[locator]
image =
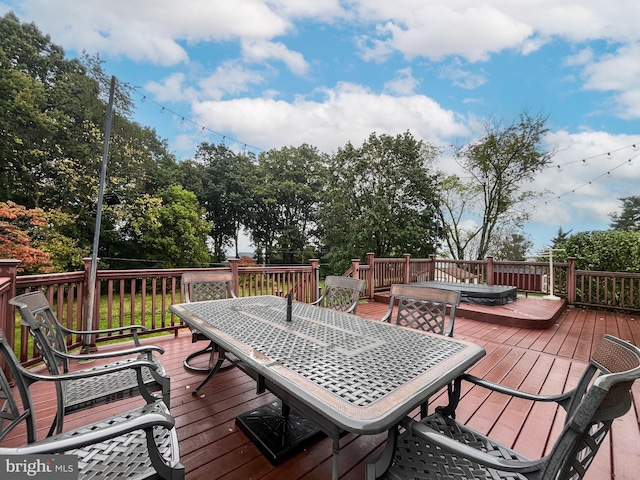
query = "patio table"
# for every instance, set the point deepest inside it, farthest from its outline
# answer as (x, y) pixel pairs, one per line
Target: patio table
(344, 372)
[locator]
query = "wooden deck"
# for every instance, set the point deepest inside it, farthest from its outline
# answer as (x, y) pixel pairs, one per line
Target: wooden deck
(540, 360)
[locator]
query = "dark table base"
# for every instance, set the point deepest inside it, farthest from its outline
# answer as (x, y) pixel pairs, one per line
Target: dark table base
(276, 437)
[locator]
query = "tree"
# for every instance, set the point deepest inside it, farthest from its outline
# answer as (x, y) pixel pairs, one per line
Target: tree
(513, 247)
(561, 238)
(456, 199)
(17, 224)
(225, 194)
(286, 193)
(57, 238)
(52, 123)
(499, 164)
(380, 198)
(169, 229)
(629, 218)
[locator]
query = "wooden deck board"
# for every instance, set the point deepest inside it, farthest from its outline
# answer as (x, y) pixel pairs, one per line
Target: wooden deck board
(540, 360)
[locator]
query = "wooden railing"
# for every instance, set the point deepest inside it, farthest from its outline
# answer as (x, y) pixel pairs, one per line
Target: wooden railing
(581, 288)
(620, 291)
(129, 297)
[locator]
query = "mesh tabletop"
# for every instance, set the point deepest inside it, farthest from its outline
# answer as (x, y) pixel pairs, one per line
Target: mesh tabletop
(352, 362)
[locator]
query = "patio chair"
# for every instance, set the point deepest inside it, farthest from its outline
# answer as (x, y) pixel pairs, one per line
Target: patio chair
(438, 445)
(87, 391)
(424, 308)
(137, 444)
(199, 287)
(341, 293)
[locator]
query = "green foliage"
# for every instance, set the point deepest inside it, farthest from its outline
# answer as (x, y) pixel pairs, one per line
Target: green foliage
(58, 239)
(380, 198)
(169, 229)
(608, 251)
(629, 218)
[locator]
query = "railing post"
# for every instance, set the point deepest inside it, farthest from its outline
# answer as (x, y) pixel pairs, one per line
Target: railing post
(355, 267)
(315, 279)
(489, 270)
(234, 264)
(407, 267)
(571, 281)
(371, 280)
(9, 269)
(431, 268)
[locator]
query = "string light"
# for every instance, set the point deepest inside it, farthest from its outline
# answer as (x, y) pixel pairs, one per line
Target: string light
(609, 155)
(202, 128)
(607, 174)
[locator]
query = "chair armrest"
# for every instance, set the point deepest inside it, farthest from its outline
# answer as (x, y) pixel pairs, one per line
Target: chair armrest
(496, 387)
(115, 353)
(352, 308)
(55, 444)
(465, 451)
(318, 301)
(387, 316)
(68, 331)
(134, 330)
(135, 364)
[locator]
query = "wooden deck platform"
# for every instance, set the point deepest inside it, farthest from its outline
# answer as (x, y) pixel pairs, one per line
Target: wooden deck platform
(541, 360)
(525, 312)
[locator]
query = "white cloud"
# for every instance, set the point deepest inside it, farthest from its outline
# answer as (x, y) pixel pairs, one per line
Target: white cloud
(620, 73)
(347, 112)
(404, 83)
(435, 29)
(230, 78)
(151, 30)
(263, 50)
(583, 57)
(438, 30)
(461, 77)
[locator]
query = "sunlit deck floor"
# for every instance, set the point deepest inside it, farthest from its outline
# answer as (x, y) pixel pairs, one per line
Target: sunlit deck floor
(540, 360)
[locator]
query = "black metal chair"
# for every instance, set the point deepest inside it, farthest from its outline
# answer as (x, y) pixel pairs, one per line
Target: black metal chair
(137, 444)
(86, 391)
(424, 308)
(341, 293)
(439, 447)
(199, 287)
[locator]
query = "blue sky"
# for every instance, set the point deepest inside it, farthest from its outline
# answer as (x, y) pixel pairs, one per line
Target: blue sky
(325, 72)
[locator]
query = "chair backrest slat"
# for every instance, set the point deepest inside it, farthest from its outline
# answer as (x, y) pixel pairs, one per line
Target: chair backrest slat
(203, 286)
(342, 293)
(424, 308)
(37, 315)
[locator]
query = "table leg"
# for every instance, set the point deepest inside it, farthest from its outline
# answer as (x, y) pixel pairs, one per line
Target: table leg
(336, 451)
(212, 372)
